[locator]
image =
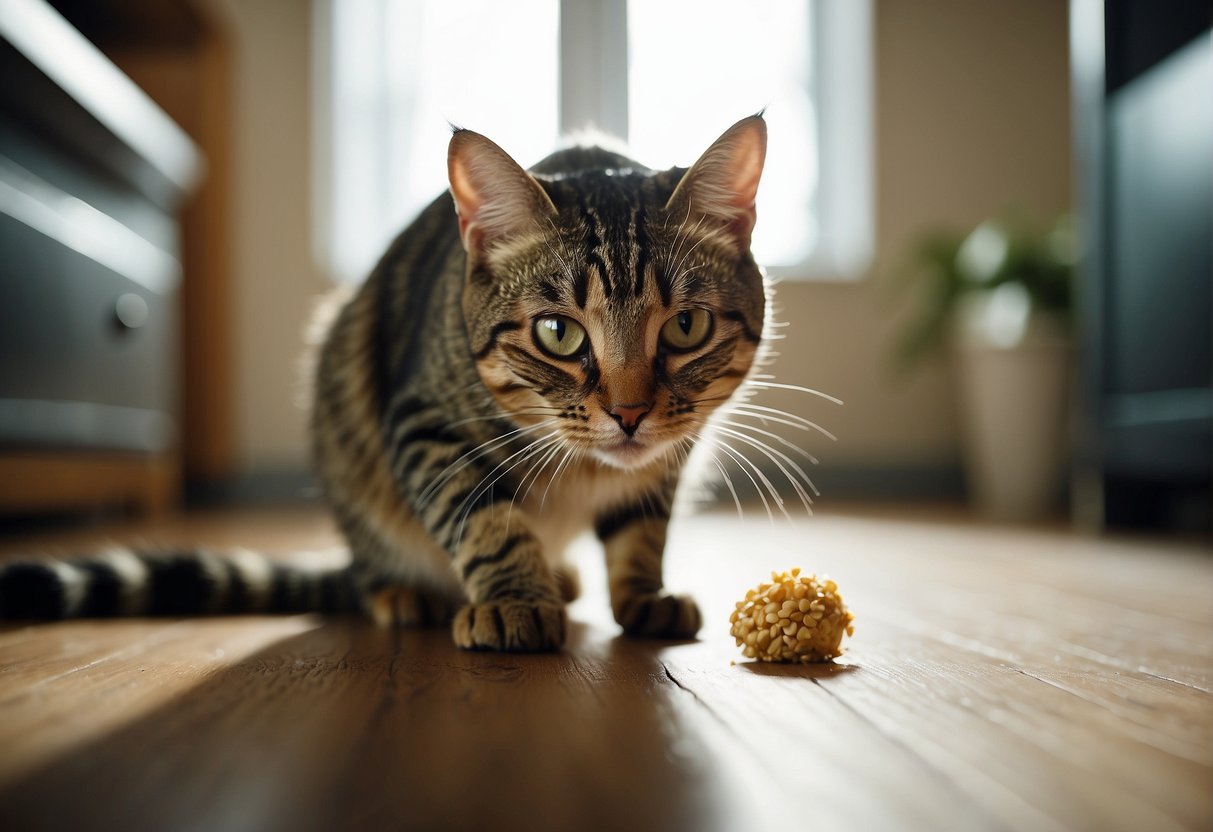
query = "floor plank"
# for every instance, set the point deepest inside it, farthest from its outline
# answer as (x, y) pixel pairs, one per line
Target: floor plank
(998, 679)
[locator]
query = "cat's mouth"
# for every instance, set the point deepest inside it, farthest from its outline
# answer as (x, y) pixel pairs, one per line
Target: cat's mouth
(628, 453)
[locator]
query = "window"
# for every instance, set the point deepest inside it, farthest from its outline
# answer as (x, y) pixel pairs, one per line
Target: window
(666, 75)
(397, 74)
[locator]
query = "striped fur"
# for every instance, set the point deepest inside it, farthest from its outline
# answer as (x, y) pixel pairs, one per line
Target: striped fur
(123, 582)
(461, 456)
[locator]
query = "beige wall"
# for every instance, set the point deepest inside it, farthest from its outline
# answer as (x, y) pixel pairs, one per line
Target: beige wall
(275, 278)
(971, 113)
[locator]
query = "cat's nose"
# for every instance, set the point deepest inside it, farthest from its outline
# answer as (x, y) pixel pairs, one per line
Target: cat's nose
(629, 415)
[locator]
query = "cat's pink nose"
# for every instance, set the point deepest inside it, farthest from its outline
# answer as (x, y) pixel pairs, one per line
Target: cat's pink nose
(629, 415)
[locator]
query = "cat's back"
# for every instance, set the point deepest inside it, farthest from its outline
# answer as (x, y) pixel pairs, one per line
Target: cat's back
(585, 158)
(605, 177)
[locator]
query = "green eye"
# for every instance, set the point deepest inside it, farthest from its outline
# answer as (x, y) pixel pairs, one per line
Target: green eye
(560, 337)
(687, 330)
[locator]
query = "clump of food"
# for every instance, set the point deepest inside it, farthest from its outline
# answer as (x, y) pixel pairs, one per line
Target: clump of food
(794, 618)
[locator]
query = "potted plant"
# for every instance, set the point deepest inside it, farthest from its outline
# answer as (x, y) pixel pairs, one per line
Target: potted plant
(1001, 297)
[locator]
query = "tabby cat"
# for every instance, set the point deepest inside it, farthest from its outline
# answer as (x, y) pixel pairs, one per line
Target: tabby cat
(534, 356)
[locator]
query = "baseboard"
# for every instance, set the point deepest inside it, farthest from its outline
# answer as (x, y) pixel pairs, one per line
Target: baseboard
(257, 488)
(869, 482)
(872, 482)
(939, 481)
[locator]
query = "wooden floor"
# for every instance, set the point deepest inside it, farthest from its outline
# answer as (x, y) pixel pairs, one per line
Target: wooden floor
(997, 679)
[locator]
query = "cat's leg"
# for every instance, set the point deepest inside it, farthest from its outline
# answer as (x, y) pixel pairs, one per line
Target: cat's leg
(404, 605)
(633, 539)
(384, 593)
(568, 581)
(514, 602)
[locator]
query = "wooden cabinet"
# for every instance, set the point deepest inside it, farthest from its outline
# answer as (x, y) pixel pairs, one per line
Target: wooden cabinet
(92, 176)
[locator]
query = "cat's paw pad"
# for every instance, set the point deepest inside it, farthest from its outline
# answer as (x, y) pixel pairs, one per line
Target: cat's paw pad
(510, 626)
(659, 615)
(407, 606)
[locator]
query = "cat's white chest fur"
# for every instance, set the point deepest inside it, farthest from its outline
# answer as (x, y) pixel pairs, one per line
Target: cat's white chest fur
(562, 509)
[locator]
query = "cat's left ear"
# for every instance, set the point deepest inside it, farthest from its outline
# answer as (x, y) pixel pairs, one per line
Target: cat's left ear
(494, 196)
(723, 184)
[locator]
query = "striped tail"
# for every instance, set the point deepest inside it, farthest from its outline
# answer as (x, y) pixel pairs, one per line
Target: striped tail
(123, 582)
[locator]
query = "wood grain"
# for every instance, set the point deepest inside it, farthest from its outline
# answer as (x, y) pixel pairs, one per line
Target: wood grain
(998, 679)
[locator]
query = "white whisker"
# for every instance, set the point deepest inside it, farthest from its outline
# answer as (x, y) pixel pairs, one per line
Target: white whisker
(728, 481)
(781, 417)
(549, 412)
(772, 454)
(537, 446)
(568, 271)
(471, 456)
(537, 469)
(792, 445)
(678, 273)
(678, 234)
(533, 474)
(568, 454)
(774, 385)
(742, 460)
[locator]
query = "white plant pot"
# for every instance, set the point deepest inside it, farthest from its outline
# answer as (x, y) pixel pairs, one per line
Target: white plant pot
(1015, 402)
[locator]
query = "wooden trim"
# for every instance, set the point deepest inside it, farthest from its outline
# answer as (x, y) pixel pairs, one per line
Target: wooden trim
(192, 83)
(46, 481)
(209, 439)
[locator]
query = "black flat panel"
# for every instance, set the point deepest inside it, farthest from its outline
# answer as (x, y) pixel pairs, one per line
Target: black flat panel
(1141, 33)
(1160, 156)
(61, 338)
(1142, 76)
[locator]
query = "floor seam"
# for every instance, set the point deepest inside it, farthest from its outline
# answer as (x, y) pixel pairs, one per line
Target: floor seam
(936, 772)
(724, 723)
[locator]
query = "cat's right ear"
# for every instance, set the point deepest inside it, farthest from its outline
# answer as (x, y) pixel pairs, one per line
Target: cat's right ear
(723, 185)
(494, 197)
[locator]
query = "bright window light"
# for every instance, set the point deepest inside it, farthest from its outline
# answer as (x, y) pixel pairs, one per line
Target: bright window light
(727, 61)
(400, 72)
(391, 74)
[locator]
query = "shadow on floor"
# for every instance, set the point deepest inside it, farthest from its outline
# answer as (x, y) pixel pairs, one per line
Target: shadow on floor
(350, 727)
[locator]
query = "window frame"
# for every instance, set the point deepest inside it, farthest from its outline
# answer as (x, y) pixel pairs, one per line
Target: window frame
(593, 90)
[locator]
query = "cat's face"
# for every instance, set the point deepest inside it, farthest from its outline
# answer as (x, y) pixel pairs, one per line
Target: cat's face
(617, 310)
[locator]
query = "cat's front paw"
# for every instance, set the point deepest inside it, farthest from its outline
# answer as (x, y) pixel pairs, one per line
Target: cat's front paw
(659, 615)
(510, 626)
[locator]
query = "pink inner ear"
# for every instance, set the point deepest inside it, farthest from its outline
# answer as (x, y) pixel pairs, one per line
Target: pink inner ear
(724, 182)
(748, 173)
(466, 197)
(744, 151)
(466, 202)
(744, 146)
(494, 197)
